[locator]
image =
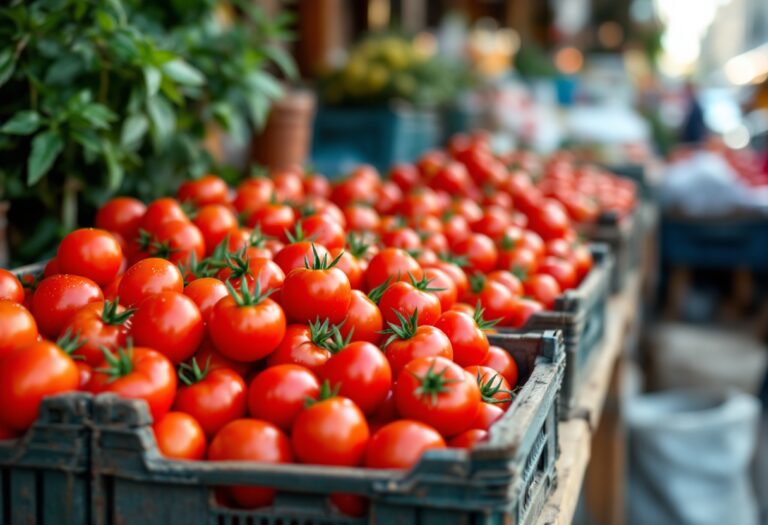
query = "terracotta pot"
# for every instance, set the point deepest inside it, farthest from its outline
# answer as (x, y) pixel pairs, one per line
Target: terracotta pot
(285, 140)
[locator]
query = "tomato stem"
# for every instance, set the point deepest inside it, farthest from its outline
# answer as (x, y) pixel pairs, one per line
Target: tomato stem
(405, 330)
(491, 387)
(476, 282)
(375, 294)
(356, 245)
(110, 316)
(321, 264)
(70, 342)
(433, 383)
(245, 297)
(423, 284)
(119, 364)
(189, 374)
(326, 392)
(481, 322)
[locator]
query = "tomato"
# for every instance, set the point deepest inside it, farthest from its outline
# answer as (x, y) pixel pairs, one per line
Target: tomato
(401, 300)
(17, 327)
(469, 438)
(520, 261)
(479, 251)
(361, 217)
(99, 325)
(330, 432)
(273, 219)
(246, 326)
(452, 177)
(493, 387)
(364, 320)
(324, 231)
(178, 241)
(550, 220)
(522, 310)
(406, 176)
(212, 397)
(391, 263)
(457, 275)
(148, 277)
(316, 184)
(362, 374)
(442, 286)
(582, 260)
(562, 270)
(558, 248)
(436, 391)
(543, 288)
(208, 189)
(494, 298)
(288, 185)
(215, 222)
(247, 440)
(409, 341)
(400, 444)
(502, 362)
(402, 237)
(493, 223)
(350, 504)
(171, 323)
(179, 436)
(419, 202)
(255, 270)
(110, 291)
(487, 414)
(468, 340)
(121, 215)
(304, 345)
(208, 354)
(467, 208)
(320, 291)
(11, 288)
(161, 211)
(509, 280)
(279, 393)
(431, 161)
(137, 373)
(85, 372)
(205, 293)
(90, 253)
(58, 297)
(350, 265)
(29, 374)
(299, 254)
(253, 194)
(456, 229)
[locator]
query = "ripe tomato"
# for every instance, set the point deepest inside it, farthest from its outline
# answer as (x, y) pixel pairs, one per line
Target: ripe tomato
(253, 194)
(316, 184)
(409, 341)
(323, 230)
(456, 228)
(350, 265)
(469, 438)
(331, 432)
(403, 237)
(522, 310)
(493, 297)
(273, 219)
(487, 414)
(99, 325)
(468, 340)
(320, 291)
(215, 222)
(550, 220)
(391, 263)
(400, 444)
(205, 293)
(502, 362)
(361, 217)
(208, 189)
(562, 270)
(11, 288)
(304, 345)
(179, 436)
(279, 393)
(171, 323)
(299, 254)
(178, 241)
(208, 354)
(543, 288)
(212, 397)
(17, 327)
(436, 391)
(85, 372)
(363, 321)
(493, 223)
(58, 297)
(250, 440)
(479, 251)
(362, 374)
(147, 277)
(418, 202)
(121, 215)
(406, 176)
(582, 259)
(91, 253)
(520, 261)
(510, 281)
(257, 271)
(29, 374)
(406, 298)
(137, 373)
(457, 275)
(442, 286)
(288, 185)
(159, 212)
(493, 387)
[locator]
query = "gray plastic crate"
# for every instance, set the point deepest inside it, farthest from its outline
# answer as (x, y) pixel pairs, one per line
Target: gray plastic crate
(45, 474)
(505, 481)
(624, 237)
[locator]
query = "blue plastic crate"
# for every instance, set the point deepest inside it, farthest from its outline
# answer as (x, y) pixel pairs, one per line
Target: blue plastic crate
(379, 135)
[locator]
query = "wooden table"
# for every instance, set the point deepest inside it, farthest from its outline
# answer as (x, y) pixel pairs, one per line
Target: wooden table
(597, 426)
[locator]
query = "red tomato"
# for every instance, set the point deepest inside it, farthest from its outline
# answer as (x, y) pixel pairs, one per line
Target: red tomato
(90, 253)
(246, 326)
(250, 440)
(409, 341)
(17, 328)
(171, 323)
(99, 325)
(85, 372)
(400, 444)
(10, 287)
(288, 185)
(208, 189)
(303, 345)
(273, 219)
(121, 215)
(401, 299)
(493, 387)
(205, 293)
(321, 291)
(522, 310)
(451, 177)
(147, 277)
(208, 354)
(582, 259)
(403, 237)
(279, 393)
(493, 223)
(456, 229)
(350, 265)
(316, 184)
(418, 202)
(58, 298)
(562, 270)
(111, 290)
(487, 414)
(442, 286)
(179, 436)
(550, 220)
(558, 248)
(324, 231)
(29, 374)
(331, 432)
(178, 241)
(502, 362)
(253, 194)
(212, 397)
(520, 261)
(364, 320)
(406, 176)
(257, 271)
(299, 254)
(215, 222)
(457, 275)
(493, 297)
(437, 392)
(469, 438)
(543, 288)
(468, 340)
(362, 374)
(480, 252)
(361, 217)
(509, 280)
(391, 263)
(161, 211)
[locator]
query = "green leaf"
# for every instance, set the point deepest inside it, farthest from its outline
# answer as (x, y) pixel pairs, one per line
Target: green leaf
(64, 70)
(22, 123)
(7, 64)
(265, 83)
(283, 59)
(114, 169)
(258, 108)
(152, 78)
(89, 140)
(98, 115)
(181, 72)
(134, 129)
(163, 119)
(106, 22)
(46, 146)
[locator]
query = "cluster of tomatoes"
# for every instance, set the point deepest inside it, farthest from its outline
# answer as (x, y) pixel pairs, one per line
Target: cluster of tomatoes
(292, 320)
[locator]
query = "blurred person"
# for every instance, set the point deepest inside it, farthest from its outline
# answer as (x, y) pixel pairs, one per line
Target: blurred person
(694, 130)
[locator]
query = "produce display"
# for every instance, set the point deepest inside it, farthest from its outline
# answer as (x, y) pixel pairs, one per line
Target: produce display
(292, 319)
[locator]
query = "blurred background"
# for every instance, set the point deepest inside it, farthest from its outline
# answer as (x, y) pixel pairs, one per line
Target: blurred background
(670, 93)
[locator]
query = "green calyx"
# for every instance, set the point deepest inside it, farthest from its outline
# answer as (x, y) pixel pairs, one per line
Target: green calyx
(336, 342)
(492, 387)
(245, 297)
(70, 342)
(480, 321)
(297, 235)
(404, 330)
(376, 293)
(477, 282)
(458, 260)
(326, 392)
(508, 243)
(110, 315)
(191, 373)
(320, 332)
(321, 264)
(119, 363)
(239, 265)
(519, 273)
(432, 383)
(356, 245)
(423, 284)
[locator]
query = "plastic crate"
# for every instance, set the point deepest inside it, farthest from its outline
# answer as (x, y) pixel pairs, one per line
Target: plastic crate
(45, 474)
(581, 315)
(346, 137)
(505, 481)
(624, 237)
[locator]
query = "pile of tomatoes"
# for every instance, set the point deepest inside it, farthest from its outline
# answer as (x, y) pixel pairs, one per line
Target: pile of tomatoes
(294, 320)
